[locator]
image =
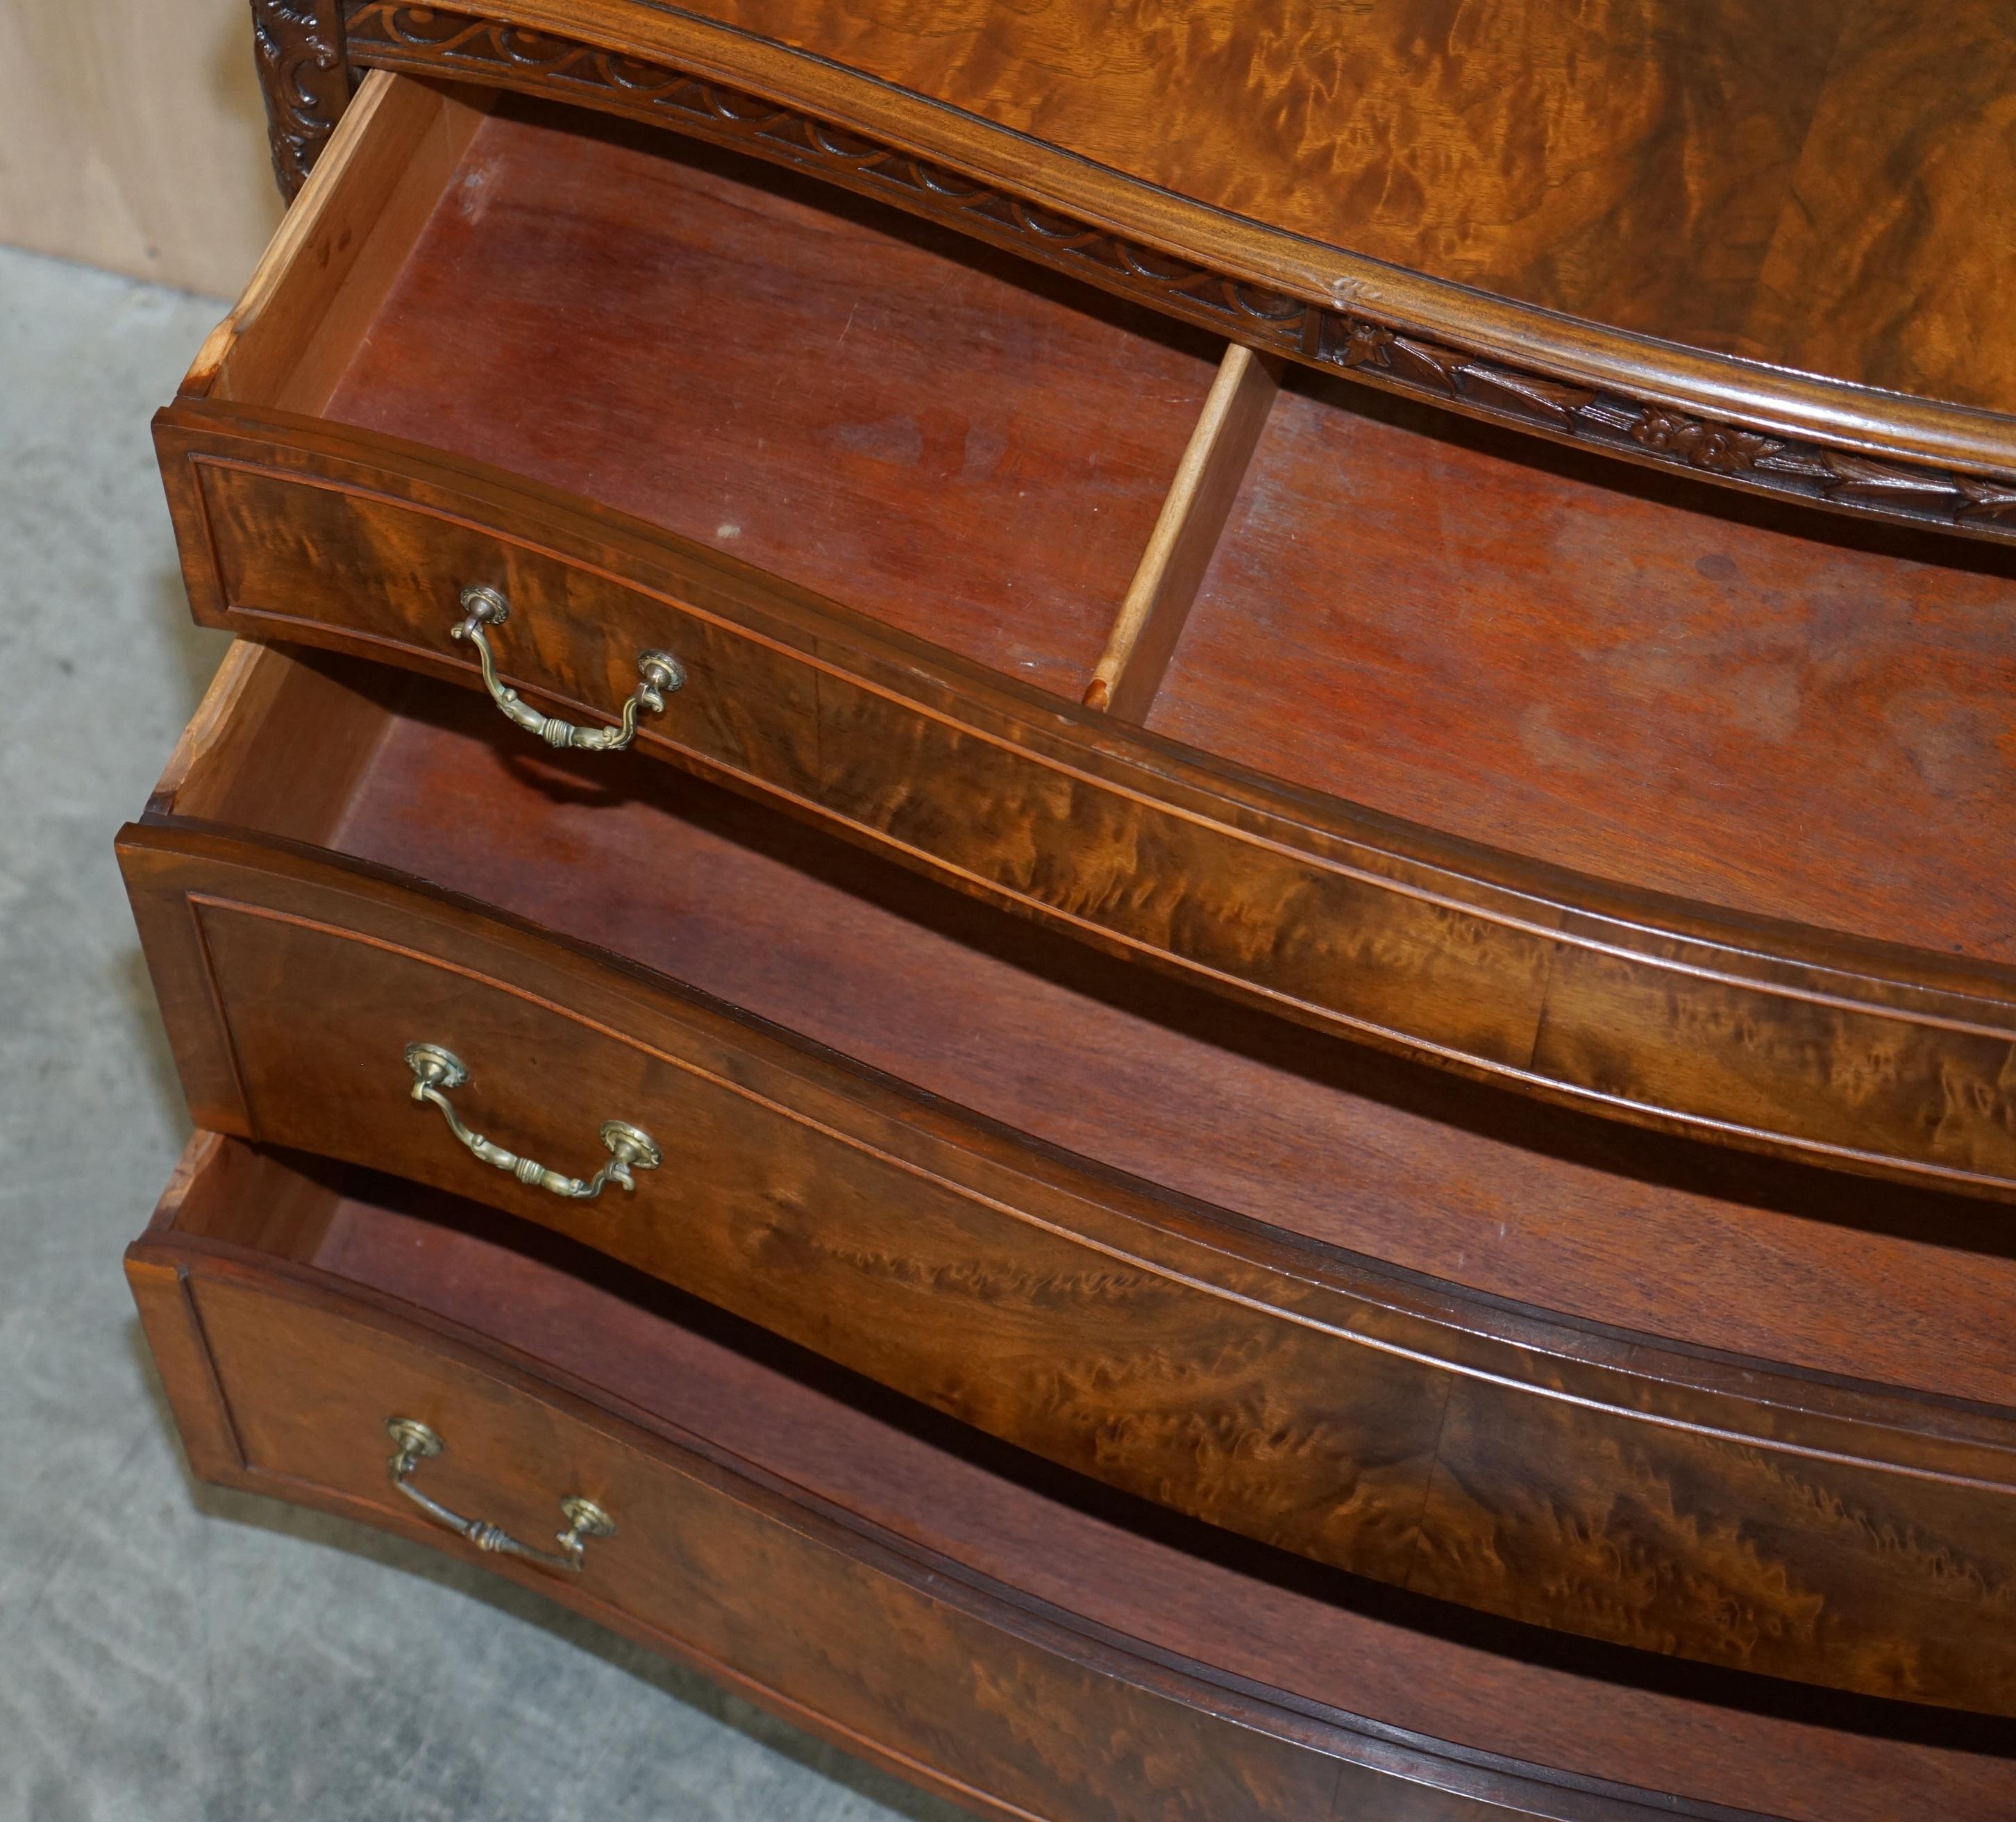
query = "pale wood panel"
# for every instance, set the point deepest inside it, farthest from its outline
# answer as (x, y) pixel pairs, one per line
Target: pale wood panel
(132, 136)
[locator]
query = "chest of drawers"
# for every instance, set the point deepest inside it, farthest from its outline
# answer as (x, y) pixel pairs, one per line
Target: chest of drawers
(1030, 976)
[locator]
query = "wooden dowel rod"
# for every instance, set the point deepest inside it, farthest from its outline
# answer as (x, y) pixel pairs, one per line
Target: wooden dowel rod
(1145, 631)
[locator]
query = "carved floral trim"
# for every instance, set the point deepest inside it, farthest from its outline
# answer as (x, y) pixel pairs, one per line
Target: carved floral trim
(299, 46)
(1719, 448)
(428, 40)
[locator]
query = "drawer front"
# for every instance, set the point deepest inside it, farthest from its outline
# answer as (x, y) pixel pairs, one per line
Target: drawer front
(333, 561)
(796, 1195)
(948, 1685)
(1879, 1060)
(1734, 1513)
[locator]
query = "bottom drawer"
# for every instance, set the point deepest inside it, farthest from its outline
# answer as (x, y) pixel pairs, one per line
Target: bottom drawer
(994, 1628)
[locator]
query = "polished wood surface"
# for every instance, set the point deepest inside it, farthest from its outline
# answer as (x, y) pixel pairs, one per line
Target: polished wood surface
(957, 1687)
(1412, 1710)
(1880, 1058)
(1684, 180)
(800, 431)
(1311, 1407)
(1694, 1016)
(1418, 759)
(1629, 165)
(1399, 1163)
(1540, 653)
(1583, 664)
(1836, 1275)
(1888, 277)
(1321, 1403)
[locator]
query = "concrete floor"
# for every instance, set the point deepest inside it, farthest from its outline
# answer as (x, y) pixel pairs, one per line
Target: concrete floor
(167, 1651)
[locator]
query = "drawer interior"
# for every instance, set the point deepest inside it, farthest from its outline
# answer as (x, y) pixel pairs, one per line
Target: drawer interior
(878, 409)
(1627, 672)
(1413, 1166)
(1624, 672)
(1048, 1536)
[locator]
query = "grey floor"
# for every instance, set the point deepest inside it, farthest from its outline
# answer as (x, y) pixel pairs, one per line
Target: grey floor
(167, 1651)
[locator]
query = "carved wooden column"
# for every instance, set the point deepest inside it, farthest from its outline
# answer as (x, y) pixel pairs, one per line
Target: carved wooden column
(307, 79)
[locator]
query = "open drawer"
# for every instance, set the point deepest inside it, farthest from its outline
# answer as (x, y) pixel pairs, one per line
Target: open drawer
(1347, 1307)
(982, 1623)
(847, 511)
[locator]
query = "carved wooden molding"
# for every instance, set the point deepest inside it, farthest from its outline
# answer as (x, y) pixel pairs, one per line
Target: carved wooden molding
(425, 41)
(299, 45)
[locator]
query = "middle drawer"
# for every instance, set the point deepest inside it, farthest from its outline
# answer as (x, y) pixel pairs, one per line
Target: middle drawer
(1246, 1362)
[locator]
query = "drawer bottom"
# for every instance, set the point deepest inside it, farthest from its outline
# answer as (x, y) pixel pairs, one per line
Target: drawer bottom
(993, 1628)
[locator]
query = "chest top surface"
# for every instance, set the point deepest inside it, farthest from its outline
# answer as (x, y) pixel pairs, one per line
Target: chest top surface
(1785, 216)
(1826, 187)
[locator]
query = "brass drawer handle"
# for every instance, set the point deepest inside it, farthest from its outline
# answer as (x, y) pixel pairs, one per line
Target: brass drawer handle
(417, 1443)
(436, 1070)
(658, 673)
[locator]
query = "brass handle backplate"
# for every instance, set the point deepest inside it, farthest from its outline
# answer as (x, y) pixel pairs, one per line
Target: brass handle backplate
(414, 1442)
(658, 675)
(436, 1070)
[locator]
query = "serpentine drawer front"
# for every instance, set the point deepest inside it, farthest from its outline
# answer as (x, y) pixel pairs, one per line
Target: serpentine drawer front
(777, 613)
(953, 1684)
(1006, 1633)
(1367, 1418)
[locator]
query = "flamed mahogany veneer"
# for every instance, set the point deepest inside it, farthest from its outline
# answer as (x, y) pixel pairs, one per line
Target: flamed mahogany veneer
(1822, 725)
(1015, 1636)
(1164, 953)
(1673, 233)
(1305, 1381)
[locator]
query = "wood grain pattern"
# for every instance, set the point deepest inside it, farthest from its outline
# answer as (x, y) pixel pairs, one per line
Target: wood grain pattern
(875, 409)
(1544, 994)
(869, 1645)
(1532, 1726)
(1838, 1275)
(1892, 262)
(1870, 1056)
(1545, 655)
(1627, 166)
(1520, 1463)
(1298, 1398)
(169, 1319)
(1651, 400)
(748, 706)
(1876, 1058)
(1493, 1535)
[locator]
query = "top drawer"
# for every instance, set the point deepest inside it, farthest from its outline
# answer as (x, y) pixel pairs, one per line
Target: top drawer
(899, 511)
